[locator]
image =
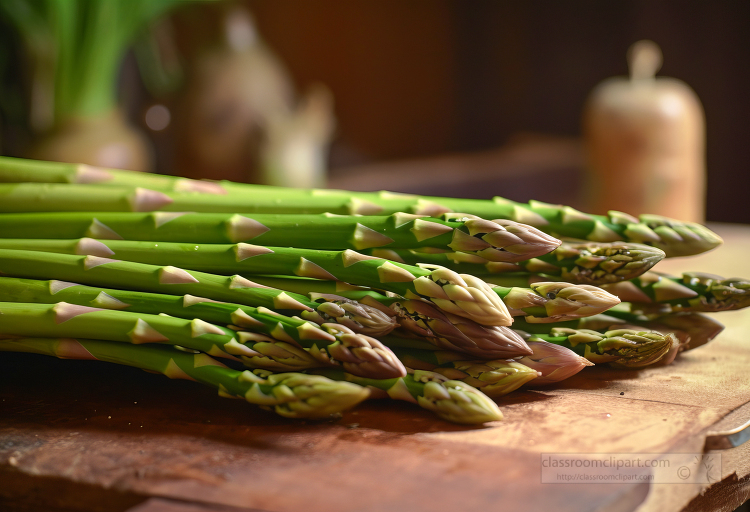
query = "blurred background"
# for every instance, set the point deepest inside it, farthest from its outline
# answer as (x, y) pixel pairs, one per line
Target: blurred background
(441, 97)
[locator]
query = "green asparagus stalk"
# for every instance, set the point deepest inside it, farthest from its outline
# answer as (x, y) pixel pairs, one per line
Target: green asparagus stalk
(292, 395)
(70, 320)
(494, 378)
(674, 237)
(451, 332)
(545, 302)
(692, 329)
(463, 295)
(35, 197)
(170, 280)
(554, 362)
(626, 348)
(417, 317)
(20, 170)
(451, 400)
(695, 291)
(578, 263)
(356, 353)
(270, 323)
(293, 333)
(502, 241)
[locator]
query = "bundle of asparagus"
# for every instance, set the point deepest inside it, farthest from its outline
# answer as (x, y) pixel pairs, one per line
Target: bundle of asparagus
(341, 295)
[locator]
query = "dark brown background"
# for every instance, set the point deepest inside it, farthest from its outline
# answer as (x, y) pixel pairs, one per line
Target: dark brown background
(423, 78)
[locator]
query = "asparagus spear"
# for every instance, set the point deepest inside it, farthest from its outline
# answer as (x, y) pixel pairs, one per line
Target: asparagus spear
(463, 295)
(105, 272)
(418, 317)
(554, 362)
(456, 333)
(502, 241)
(593, 263)
(494, 378)
(70, 320)
(674, 237)
(692, 329)
(20, 170)
(626, 348)
(292, 395)
(288, 335)
(356, 353)
(545, 302)
(695, 291)
(451, 400)
(579, 263)
(270, 323)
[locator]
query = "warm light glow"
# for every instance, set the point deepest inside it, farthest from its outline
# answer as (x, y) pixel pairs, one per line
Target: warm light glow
(158, 117)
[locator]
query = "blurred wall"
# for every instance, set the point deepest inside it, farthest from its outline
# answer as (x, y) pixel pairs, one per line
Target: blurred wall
(414, 78)
(425, 78)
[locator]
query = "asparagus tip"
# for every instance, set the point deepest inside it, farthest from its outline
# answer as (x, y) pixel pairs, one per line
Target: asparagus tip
(457, 402)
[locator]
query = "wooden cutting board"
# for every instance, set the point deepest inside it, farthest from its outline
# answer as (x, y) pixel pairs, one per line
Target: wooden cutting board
(89, 436)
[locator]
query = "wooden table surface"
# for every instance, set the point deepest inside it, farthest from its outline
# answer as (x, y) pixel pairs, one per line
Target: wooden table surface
(88, 436)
